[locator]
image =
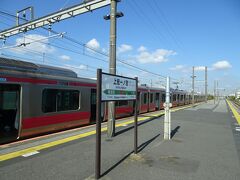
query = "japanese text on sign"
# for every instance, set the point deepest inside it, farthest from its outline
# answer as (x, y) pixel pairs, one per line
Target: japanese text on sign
(118, 88)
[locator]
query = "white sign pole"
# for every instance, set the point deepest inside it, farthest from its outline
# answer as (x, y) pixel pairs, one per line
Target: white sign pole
(167, 116)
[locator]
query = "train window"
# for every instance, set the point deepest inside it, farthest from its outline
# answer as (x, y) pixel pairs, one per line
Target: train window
(59, 100)
(67, 100)
(163, 97)
(9, 100)
(151, 98)
(93, 98)
(122, 103)
(49, 99)
(145, 98)
(174, 97)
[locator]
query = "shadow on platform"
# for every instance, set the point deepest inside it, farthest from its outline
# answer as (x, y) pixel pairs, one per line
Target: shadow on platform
(140, 148)
(173, 132)
(139, 124)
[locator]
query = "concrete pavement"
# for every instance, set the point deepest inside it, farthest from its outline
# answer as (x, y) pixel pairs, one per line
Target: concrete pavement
(205, 145)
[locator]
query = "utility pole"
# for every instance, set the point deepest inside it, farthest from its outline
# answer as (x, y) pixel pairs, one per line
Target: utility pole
(112, 62)
(193, 76)
(206, 94)
(217, 90)
(112, 66)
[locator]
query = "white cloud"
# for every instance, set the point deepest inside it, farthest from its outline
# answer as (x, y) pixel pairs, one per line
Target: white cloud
(124, 48)
(199, 68)
(104, 50)
(181, 68)
(158, 56)
(220, 65)
(142, 48)
(40, 46)
(93, 44)
(65, 57)
(177, 68)
(82, 67)
(184, 68)
(77, 68)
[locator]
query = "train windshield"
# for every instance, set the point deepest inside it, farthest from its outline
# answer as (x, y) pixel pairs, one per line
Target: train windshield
(9, 112)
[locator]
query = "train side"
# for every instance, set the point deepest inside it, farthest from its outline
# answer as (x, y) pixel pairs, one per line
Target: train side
(37, 99)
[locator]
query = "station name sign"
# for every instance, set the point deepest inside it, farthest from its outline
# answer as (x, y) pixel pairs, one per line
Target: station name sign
(116, 88)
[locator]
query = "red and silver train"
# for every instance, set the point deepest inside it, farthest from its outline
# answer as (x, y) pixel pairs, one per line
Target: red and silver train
(37, 99)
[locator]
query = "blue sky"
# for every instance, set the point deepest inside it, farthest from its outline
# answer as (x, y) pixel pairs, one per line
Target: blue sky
(167, 37)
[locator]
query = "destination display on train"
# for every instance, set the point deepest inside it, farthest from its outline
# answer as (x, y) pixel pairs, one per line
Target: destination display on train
(118, 88)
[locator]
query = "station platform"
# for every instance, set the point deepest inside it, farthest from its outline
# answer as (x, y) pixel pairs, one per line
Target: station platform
(205, 144)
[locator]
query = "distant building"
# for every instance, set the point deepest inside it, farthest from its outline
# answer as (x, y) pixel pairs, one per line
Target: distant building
(237, 94)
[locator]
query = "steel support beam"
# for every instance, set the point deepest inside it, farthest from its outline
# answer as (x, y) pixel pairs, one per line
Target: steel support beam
(73, 11)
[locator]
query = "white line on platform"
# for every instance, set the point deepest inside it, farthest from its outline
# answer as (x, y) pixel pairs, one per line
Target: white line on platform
(30, 154)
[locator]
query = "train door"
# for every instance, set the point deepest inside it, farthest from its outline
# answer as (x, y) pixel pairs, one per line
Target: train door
(139, 101)
(9, 112)
(163, 99)
(93, 103)
(148, 101)
(178, 99)
(157, 101)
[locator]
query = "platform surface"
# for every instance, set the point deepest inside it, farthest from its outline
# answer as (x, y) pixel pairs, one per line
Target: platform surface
(205, 145)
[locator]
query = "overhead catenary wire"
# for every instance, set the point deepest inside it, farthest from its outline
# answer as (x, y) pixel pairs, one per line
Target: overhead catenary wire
(35, 41)
(164, 21)
(97, 51)
(33, 60)
(102, 53)
(70, 50)
(48, 56)
(145, 19)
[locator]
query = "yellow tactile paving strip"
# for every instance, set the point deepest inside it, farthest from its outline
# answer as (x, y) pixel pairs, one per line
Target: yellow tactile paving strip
(235, 113)
(71, 138)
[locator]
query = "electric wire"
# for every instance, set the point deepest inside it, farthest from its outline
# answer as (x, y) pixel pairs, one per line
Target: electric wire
(102, 53)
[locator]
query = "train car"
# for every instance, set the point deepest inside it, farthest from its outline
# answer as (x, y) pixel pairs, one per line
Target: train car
(182, 98)
(174, 98)
(143, 99)
(188, 98)
(155, 97)
(123, 109)
(37, 99)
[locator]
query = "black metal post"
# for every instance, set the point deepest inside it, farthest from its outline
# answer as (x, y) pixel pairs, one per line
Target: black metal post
(98, 125)
(136, 120)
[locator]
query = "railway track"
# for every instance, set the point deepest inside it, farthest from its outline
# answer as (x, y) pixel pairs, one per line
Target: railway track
(236, 104)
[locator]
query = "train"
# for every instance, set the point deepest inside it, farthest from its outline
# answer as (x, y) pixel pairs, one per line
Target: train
(37, 99)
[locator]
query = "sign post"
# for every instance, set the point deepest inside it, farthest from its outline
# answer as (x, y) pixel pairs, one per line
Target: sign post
(136, 120)
(113, 88)
(98, 125)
